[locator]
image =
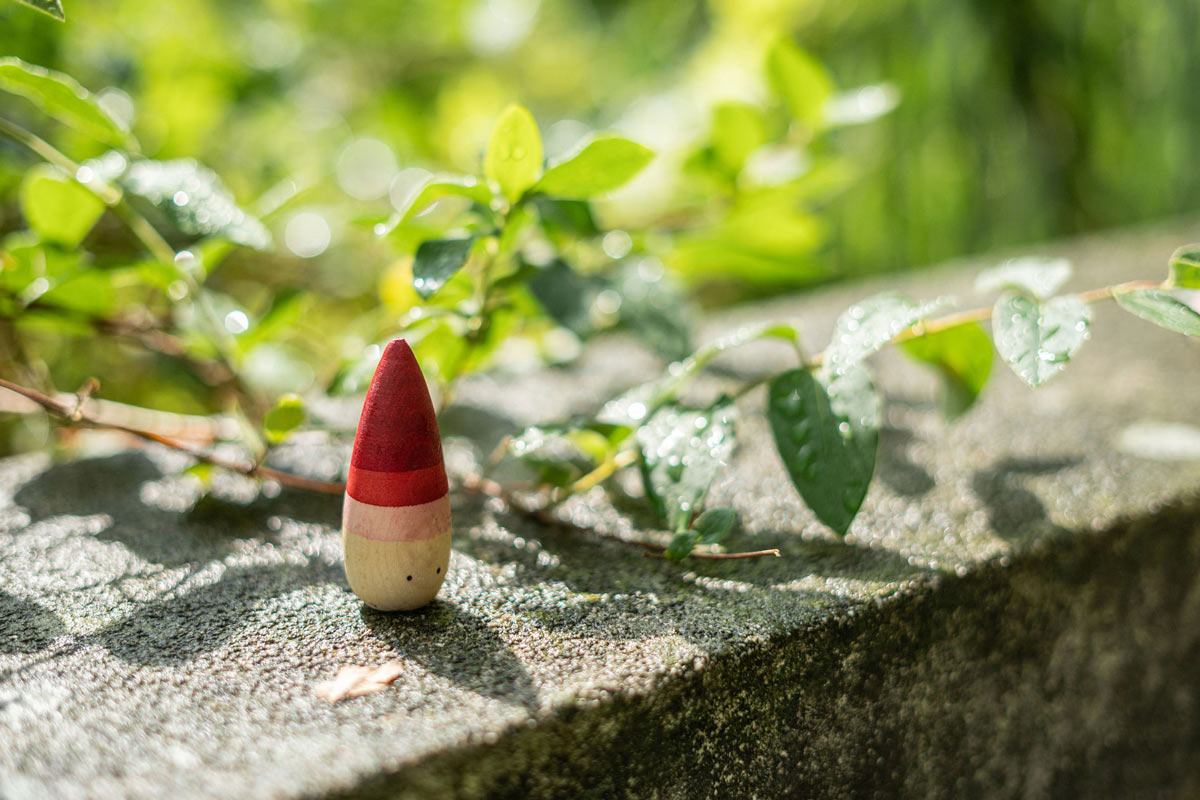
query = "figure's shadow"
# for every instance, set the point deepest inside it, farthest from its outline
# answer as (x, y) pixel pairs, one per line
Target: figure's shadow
(460, 647)
(1014, 512)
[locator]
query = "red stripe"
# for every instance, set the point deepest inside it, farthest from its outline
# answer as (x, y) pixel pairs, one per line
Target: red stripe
(409, 488)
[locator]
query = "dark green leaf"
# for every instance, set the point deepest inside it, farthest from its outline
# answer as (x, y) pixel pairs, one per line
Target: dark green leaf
(61, 97)
(195, 200)
(1038, 277)
(962, 356)
(682, 453)
(800, 80)
(52, 7)
(514, 153)
(1161, 308)
(1185, 268)
(601, 166)
(681, 546)
(655, 310)
(827, 433)
(436, 262)
(714, 525)
(565, 220)
(57, 208)
(1038, 339)
(566, 295)
(287, 415)
(867, 326)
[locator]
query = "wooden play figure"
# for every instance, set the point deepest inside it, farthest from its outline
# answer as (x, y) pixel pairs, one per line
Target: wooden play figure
(396, 517)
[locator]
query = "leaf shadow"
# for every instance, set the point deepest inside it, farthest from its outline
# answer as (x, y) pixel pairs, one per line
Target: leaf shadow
(26, 627)
(1014, 511)
(896, 469)
(458, 646)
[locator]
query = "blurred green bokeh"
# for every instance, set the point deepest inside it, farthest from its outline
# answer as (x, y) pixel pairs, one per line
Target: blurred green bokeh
(1017, 121)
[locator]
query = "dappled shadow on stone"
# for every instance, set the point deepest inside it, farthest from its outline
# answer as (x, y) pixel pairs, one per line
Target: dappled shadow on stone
(86, 486)
(25, 626)
(459, 646)
(484, 428)
(895, 469)
(1015, 512)
(179, 628)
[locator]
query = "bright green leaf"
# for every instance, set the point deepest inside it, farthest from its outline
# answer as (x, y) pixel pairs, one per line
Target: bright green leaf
(89, 292)
(287, 415)
(1038, 277)
(603, 165)
(195, 200)
(61, 97)
(57, 208)
(435, 189)
(800, 80)
(514, 153)
(827, 433)
(1185, 268)
(52, 7)
(436, 262)
(738, 130)
(714, 525)
(201, 471)
(1038, 339)
(682, 452)
(867, 326)
(1161, 308)
(962, 356)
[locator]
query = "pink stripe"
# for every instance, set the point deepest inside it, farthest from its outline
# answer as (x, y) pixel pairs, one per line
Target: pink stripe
(396, 523)
(410, 488)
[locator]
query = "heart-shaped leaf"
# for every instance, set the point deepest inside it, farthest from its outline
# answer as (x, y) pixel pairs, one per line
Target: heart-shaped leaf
(1038, 339)
(827, 433)
(682, 452)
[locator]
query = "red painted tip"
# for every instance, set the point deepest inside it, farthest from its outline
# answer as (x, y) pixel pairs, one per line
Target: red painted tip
(397, 433)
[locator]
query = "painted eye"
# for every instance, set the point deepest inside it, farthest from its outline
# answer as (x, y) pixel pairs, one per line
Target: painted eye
(439, 571)
(410, 577)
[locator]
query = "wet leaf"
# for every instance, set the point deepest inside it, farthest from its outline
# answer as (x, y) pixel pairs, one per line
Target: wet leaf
(682, 453)
(827, 433)
(52, 7)
(1038, 339)
(601, 166)
(656, 311)
(195, 200)
(962, 356)
(1162, 308)
(1185, 268)
(1039, 277)
(287, 415)
(800, 80)
(867, 326)
(436, 262)
(514, 153)
(714, 525)
(57, 208)
(61, 97)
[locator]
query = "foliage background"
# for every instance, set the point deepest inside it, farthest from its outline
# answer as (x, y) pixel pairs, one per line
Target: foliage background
(1017, 121)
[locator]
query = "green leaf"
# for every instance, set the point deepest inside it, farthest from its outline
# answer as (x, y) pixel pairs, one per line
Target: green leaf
(195, 200)
(1038, 339)
(514, 153)
(567, 296)
(437, 188)
(827, 433)
(89, 291)
(287, 415)
(601, 166)
(681, 545)
(287, 307)
(714, 525)
(1185, 268)
(800, 80)
(738, 129)
(436, 262)
(57, 208)
(867, 326)
(1038, 277)
(565, 220)
(52, 7)
(682, 452)
(61, 97)
(962, 356)
(1161, 308)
